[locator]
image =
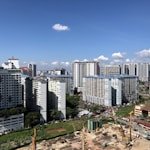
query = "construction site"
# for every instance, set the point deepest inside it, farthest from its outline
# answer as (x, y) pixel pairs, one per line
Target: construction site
(97, 136)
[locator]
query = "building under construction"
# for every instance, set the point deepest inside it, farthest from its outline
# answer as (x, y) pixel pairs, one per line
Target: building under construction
(95, 136)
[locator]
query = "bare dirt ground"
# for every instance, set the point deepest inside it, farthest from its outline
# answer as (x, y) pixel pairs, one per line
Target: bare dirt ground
(103, 139)
(56, 130)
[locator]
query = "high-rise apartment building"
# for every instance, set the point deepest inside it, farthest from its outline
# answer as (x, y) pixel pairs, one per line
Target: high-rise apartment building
(36, 96)
(68, 79)
(10, 88)
(110, 90)
(81, 69)
(57, 96)
(110, 70)
(12, 63)
(32, 68)
(10, 96)
(39, 91)
(142, 70)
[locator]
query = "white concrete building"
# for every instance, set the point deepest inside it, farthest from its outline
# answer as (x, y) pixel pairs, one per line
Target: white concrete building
(57, 95)
(142, 70)
(39, 91)
(12, 123)
(97, 90)
(110, 70)
(81, 69)
(12, 63)
(68, 79)
(110, 90)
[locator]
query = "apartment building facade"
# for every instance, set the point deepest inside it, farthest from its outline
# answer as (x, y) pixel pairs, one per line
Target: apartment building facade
(81, 69)
(12, 123)
(10, 88)
(10, 96)
(110, 70)
(39, 91)
(68, 79)
(142, 70)
(110, 90)
(57, 96)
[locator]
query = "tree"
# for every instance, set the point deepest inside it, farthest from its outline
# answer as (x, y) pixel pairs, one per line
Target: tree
(32, 119)
(72, 103)
(4, 113)
(55, 114)
(13, 111)
(69, 112)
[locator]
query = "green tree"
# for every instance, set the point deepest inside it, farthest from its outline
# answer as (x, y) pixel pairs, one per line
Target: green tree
(95, 109)
(32, 119)
(69, 112)
(55, 114)
(13, 111)
(72, 103)
(4, 113)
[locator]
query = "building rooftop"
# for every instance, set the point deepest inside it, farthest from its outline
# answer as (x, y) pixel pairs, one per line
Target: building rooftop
(112, 76)
(146, 108)
(13, 58)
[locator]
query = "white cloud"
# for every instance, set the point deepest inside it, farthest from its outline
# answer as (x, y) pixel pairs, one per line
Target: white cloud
(127, 60)
(65, 63)
(101, 58)
(85, 60)
(43, 63)
(144, 53)
(55, 63)
(60, 27)
(118, 55)
(76, 60)
(117, 61)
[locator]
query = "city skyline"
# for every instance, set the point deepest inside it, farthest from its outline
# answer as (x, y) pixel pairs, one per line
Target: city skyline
(54, 33)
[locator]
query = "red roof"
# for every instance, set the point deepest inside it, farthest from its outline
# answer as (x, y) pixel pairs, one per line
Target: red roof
(24, 68)
(145, 123)
(146, 108)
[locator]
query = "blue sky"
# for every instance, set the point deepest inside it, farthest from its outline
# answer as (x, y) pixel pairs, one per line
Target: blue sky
(52, 32)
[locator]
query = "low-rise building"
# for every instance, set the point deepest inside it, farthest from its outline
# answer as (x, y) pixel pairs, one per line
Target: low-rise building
(12, 123)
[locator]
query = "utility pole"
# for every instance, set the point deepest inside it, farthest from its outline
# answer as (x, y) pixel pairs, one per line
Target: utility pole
(83, 138)
(131, 125)
(34, 140)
